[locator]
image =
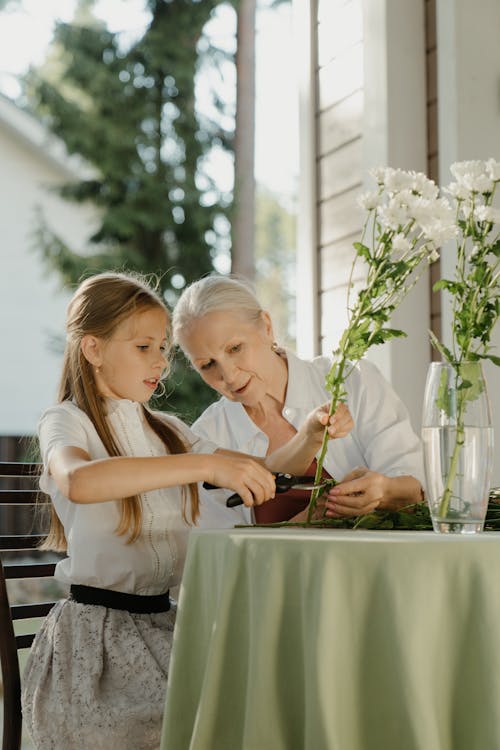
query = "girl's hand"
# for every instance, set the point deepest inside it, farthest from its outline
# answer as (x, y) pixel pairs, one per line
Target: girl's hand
(340, 423)
(250, 479)
(360, 492)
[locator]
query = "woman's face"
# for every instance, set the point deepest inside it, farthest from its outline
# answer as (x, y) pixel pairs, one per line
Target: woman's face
(233, 355)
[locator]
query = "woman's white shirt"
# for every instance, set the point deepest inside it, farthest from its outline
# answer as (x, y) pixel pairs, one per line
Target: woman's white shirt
(382, 439)
(97, 556)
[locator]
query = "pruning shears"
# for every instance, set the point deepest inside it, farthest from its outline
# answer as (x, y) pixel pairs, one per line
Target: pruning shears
(284, 482)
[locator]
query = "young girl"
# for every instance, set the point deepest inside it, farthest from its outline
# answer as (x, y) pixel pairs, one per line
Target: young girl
(117, 473)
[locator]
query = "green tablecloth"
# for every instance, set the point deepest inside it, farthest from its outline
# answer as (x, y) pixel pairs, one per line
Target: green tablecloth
(336, 640)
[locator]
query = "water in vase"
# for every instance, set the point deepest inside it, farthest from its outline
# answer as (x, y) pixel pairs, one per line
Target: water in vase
(458, 477)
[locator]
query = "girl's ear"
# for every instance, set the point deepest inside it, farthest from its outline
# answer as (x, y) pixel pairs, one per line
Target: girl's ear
(91, 350)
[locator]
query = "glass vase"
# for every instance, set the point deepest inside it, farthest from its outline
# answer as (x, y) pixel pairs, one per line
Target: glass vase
(457, 437)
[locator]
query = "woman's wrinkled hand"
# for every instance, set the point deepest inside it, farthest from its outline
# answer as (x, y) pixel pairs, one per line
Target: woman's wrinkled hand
(339, 424)
(248, 478)
(360, 492)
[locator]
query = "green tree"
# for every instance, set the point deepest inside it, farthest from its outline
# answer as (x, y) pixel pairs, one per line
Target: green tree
(131, 114)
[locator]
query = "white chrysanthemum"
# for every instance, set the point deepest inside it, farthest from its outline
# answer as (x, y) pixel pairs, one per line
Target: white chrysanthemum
(400, 244)
(465, 170)
(481, 184)
(457, 190)
(487, 213)
(397, 179)
(407, 199)
(379, 174)
(465, 209)
(393, 216)
(439, 231)
(369, 201)
(438, 209)
(423, 185)
(473, 176)
(493, 169)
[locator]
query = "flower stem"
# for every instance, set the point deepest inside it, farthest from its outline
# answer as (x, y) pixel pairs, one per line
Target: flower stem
(444, 505)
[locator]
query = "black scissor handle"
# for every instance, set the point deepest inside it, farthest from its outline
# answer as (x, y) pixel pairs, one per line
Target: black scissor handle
(283, 483)
(231, 502)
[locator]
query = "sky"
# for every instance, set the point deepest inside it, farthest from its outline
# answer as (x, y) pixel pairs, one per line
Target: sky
(25, 32)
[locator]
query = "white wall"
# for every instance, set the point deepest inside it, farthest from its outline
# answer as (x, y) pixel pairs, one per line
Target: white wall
(32, 306)
(469, 122)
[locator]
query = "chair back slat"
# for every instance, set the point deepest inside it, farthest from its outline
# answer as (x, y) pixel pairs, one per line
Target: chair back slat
(19, 469)
(20, 497)
(26, 611)
(29, 570)
(24, 641)
(20, 541)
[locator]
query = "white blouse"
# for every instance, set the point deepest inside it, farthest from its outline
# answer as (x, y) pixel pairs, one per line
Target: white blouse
(97, 556)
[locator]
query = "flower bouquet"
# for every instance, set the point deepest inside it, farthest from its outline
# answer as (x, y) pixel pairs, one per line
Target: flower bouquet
(406, 223)
(457, 432)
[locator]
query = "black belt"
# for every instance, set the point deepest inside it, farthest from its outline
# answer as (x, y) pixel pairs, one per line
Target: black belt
(135, 603)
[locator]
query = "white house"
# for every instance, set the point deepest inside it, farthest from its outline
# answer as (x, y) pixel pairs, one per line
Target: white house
(32, 305)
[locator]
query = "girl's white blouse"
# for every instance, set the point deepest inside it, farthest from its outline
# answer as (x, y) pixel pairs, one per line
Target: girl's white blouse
(97, 556)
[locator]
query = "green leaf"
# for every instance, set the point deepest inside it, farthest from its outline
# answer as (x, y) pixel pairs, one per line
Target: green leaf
(443, 400)
(362, 250)
(450, 286)
(441, 348)
(495, 249)
(472, 385)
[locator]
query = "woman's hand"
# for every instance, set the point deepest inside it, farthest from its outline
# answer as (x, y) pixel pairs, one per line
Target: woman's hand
(362, 491)
(296, 455)
(339, 424)
(250, 479)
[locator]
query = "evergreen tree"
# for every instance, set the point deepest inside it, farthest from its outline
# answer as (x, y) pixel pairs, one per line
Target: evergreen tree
(131, 115)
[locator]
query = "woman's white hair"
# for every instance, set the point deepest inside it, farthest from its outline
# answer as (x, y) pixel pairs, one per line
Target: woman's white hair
(213, 294)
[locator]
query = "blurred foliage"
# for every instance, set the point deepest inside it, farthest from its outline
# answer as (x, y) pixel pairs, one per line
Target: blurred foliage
(275, 241)
(131, 116)
(411, 518)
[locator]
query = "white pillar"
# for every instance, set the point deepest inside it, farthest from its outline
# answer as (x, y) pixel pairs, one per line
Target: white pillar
(307, 315)
(469, 123)
(395, 135)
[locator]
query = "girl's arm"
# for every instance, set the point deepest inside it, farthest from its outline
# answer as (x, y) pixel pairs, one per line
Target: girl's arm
(83, 480)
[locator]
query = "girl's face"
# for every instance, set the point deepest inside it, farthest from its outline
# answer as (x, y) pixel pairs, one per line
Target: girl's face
(233, 355)
(132, 361)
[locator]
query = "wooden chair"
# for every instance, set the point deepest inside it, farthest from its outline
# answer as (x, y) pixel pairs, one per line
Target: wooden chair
(19, 559)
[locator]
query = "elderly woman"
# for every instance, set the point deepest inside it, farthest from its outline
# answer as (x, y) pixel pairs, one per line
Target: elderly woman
(266, 393)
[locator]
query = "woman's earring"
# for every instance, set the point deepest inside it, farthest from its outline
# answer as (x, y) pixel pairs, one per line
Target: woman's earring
(274, 346)
(97, 370)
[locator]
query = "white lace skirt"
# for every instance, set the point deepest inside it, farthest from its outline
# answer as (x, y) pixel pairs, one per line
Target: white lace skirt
(96, 678)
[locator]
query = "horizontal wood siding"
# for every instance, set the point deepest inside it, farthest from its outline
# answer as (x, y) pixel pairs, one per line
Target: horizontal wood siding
(339, 158)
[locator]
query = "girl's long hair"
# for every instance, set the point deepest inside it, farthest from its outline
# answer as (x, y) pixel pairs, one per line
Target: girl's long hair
(98, 306)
